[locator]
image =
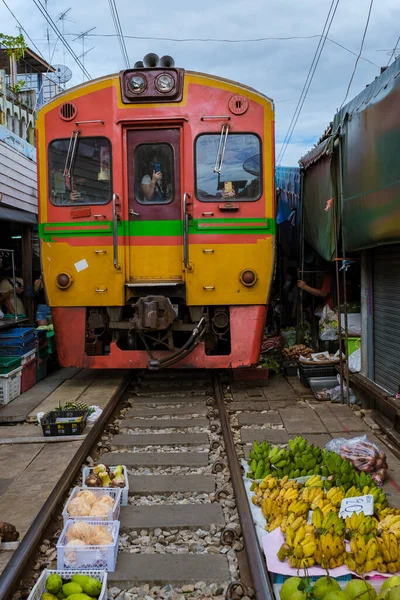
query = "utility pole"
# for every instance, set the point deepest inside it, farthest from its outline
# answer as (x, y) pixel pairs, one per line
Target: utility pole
(82, 36)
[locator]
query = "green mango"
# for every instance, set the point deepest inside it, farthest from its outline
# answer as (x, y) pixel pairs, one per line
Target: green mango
(48, 596)
(92, 587)
(53, 583)
(71, 588)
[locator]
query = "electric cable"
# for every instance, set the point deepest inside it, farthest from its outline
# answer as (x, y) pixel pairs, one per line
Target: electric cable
(119, 33)
(309, 78)
(359, 53)
(394, 51)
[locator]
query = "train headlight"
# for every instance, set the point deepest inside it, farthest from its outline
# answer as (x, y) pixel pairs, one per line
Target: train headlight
(164, 83)
(64, 281)
(137, 84)
(248, 277)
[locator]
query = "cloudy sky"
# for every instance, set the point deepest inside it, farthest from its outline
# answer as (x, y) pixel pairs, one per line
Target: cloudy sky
(277, 68)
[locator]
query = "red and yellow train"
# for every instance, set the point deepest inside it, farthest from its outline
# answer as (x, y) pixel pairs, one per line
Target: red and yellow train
(156, 191)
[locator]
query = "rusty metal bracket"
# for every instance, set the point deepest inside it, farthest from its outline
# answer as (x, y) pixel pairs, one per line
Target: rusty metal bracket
(228, 536)
(210, 402)
(221, 492)
(216, 444)
(233, 586)
(218, 466)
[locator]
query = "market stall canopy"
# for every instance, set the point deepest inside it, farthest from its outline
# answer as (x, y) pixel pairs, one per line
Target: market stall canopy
(317, 191)
(370, 126)
(17, 216)
(369, 129)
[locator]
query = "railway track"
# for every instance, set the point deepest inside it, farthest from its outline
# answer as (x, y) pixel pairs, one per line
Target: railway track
(187, 531)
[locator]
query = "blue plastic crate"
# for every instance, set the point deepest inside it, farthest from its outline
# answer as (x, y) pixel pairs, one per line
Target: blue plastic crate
(313, 578)
(17, 349)
(16, 336)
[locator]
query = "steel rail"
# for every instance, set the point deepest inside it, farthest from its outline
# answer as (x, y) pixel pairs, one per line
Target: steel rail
(258, 570)
(11, 575)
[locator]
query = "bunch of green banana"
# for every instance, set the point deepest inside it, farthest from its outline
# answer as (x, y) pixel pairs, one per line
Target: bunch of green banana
(258, 461)
(339, 472)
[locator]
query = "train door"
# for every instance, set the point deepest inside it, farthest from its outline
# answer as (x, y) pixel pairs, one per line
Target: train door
(155, 214)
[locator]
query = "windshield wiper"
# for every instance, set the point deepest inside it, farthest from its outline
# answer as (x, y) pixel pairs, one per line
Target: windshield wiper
(221, 149)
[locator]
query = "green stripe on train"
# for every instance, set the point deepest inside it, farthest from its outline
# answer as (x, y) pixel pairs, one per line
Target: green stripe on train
(51, 231)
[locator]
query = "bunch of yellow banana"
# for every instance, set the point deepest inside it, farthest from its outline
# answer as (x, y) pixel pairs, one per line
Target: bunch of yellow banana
(366, 526)
(312, 494)
(331, 551)
(315, 481)
(390, 523)
(386, 512)
(389, 550)
(331, 522)
(324, 504)
(268, 483)
(293, 521)
(298, 507)
(302, 543)
(335, 496)
(366, 555)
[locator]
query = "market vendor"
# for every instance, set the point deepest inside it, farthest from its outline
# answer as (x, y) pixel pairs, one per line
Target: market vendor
(325, 292)
(7, 293)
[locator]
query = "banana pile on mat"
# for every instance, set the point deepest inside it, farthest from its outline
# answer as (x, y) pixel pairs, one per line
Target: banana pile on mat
(362, 543)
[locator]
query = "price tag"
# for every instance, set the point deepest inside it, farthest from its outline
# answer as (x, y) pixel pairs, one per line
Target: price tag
(358, 504)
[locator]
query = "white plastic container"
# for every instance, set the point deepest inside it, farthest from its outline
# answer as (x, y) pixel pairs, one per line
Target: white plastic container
(10, 386)
(40, 585)
(88, 557)
(112, 514)
(124, 491)
(28, 357)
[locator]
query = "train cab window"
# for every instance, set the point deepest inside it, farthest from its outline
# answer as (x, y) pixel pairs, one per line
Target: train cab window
(81, 174)
(239, 178)
(154, 173)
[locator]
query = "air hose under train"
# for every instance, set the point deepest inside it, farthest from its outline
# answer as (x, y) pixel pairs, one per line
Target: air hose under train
(154, 363)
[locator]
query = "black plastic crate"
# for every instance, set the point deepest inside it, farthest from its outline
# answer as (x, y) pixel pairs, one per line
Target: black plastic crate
(290, 368)
(74, 427)
(308, 371)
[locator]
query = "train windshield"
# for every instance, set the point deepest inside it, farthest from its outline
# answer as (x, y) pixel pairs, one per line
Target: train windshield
(80, 174)
(239, 178)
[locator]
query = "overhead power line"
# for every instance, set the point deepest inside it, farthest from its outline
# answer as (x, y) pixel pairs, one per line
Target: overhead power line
(309, 78)
(54, 27)
(118, 29)
(394, 51)
(23, 29)
(359, 54)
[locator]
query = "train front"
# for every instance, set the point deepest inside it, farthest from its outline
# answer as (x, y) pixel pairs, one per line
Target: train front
(157, 219)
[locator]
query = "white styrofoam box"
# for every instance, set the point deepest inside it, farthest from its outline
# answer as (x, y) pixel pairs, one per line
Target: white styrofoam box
(40, 585)
(112, 514)
(353, 322)
(88, 557)
(124, 491)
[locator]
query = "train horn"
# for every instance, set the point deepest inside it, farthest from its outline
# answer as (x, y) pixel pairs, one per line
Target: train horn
(166, 61)
(138, 64)
(151, 60)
